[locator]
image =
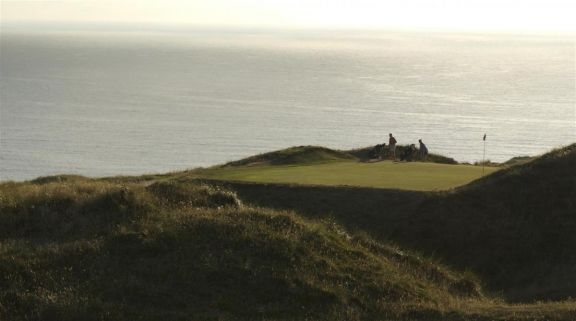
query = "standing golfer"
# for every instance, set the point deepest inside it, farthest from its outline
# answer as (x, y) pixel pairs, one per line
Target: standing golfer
(423, 151)
(392, 146)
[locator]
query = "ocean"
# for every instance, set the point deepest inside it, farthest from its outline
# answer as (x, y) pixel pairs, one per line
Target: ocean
(102, 103)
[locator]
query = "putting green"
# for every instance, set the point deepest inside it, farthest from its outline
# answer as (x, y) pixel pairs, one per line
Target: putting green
(385, 174)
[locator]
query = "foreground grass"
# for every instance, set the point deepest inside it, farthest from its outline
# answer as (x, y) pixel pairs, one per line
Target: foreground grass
(78, 249)
(416, 176)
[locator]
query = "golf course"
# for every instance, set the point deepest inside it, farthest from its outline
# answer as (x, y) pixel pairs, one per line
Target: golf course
(415, 176)
(312, 165)
(305, 233)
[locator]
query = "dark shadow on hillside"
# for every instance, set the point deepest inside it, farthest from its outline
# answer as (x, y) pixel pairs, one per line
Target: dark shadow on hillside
(358, 207)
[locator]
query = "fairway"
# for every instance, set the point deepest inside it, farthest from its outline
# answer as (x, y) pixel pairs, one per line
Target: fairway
(385, 174)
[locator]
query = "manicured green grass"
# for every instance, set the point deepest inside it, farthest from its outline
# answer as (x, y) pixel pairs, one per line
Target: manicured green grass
(385, 174)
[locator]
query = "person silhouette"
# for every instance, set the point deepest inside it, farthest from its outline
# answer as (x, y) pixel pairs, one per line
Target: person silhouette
(392, 147)
(423, 151)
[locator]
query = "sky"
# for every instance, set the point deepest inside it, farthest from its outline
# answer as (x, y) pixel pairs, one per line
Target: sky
(493, 15)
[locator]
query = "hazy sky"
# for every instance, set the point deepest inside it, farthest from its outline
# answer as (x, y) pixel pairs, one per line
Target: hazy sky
(530, 15)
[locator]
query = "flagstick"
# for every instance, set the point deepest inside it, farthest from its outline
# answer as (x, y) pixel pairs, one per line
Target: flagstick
(484, 157)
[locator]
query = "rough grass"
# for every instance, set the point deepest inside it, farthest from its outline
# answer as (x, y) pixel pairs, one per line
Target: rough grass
(294, 155)
(315, 154)
(72, 248)
(78, 249)
(517, 160)
(369, 153)
(385, 174)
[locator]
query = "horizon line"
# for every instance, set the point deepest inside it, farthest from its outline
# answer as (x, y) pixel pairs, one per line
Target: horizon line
(20, 25)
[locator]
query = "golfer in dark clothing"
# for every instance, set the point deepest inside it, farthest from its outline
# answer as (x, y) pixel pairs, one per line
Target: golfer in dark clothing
(392, 146)
(423, 152)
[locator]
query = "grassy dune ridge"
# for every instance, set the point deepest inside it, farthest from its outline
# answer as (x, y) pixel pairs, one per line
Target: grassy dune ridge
(80, 249)
(294, 155)
(177, 247)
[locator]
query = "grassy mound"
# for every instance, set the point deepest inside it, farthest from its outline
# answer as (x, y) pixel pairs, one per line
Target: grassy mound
(294, 155)
(372, 152)
(517, 160)
(91, 250)
(516, 225)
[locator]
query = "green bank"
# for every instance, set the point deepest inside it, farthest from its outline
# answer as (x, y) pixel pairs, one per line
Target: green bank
(418, 176)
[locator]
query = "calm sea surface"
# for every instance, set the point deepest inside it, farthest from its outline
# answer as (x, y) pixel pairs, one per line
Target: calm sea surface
(109, 103)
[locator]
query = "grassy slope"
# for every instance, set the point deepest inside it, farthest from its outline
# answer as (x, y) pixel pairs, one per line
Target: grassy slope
(367, 153)
(344, 170)
(515, 228)
(294, 155)
(523, 218)
(78, 249)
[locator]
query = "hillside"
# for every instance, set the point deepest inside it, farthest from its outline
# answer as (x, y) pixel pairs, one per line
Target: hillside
(514, 228)
(294, 155)
(516, 225)
(74, 248)
(174, 247)
(78, 249)
(368, 153)
(315, 154)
